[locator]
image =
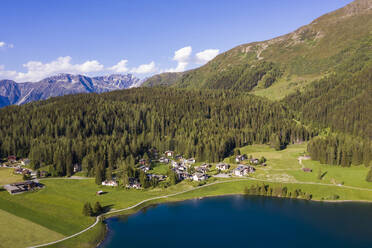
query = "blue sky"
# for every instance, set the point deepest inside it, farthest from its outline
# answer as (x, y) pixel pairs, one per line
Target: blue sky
(43, 37)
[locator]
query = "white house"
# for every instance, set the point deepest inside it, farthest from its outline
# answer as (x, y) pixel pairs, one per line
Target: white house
(243, 170)
(222, 166)
(240, 158)
(25, 161)
(199, 177)
(164, 160)
(169, 153)
(191, 161)
(110, 183)
(144, 168)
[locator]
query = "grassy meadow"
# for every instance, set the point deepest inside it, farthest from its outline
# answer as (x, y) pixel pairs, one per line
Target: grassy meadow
(56, 210)
(28, 233)
(7, 176)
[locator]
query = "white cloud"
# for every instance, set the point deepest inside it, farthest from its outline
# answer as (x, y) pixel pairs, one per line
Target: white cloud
(206, 55)
(37, 70)
(145, 68)
(120, 67)
(182, 56)
(3, 44)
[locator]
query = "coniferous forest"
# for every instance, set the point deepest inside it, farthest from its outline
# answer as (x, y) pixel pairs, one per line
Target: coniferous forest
(102, 131)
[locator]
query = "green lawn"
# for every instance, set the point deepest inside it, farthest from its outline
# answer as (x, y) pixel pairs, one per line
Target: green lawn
(284, 166)
(58, 207)
(7, 176)
(19, 232)
(160, 168)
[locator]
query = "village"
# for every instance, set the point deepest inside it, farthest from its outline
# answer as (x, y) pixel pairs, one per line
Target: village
(183, 169)
(188, 169)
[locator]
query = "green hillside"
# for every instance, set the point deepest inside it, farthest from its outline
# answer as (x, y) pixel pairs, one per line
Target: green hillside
(277, 67)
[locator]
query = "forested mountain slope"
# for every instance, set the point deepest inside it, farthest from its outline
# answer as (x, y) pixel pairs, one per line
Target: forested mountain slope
(279, 66)
(99, 130)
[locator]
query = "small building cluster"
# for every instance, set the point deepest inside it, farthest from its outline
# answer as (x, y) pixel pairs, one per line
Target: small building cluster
(22, 171)
(160, 178)
(243, 170)
(241, 158)
(133, 184)
(164, 160)
(17, 188)
(222, 166)
(111, 183)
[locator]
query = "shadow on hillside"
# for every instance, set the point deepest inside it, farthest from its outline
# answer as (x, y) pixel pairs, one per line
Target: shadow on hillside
(107, 208)
(321, 176)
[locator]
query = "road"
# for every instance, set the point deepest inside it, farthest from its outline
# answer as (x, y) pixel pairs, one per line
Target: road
(186, 191)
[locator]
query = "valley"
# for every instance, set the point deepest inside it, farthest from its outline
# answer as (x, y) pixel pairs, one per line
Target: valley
(281, 122)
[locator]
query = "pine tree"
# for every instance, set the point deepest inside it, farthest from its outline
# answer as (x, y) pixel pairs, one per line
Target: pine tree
(143, 179)
(87, 209)
(98, 208)
(99, 176)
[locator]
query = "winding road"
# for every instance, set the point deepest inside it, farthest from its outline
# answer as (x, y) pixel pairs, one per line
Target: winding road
(186, 191)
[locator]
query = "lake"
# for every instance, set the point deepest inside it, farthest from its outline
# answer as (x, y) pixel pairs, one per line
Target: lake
(239, 221)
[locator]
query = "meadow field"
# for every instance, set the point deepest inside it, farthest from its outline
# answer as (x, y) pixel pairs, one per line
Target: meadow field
(7, 176)
(56, 210)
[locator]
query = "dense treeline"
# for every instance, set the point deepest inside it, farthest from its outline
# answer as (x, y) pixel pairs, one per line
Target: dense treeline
(277, 191)
(238, 77)
(97, 131)
(340, 150)
(342, 101)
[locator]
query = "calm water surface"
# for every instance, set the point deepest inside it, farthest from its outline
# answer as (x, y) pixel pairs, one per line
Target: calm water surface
(238, 221)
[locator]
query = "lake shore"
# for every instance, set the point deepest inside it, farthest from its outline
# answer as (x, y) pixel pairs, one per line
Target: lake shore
(170, 200)
(150, 205)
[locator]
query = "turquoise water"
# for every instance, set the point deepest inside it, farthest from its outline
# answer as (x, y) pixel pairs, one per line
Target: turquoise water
(238, 221)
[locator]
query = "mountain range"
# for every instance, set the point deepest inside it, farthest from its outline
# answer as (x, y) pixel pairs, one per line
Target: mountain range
(62, 84)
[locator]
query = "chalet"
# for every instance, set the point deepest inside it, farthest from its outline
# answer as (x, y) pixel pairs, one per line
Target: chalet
(240, 158)
(144, 168)
(181, 174)
(143, 161)
(206, 166)
(243, 170)
(111, 183)
(175, 164)
(169, 153)
(190, 161)
(12, 159)
(25, 161)
(254, 161)
(17, 188)
(133, 184)
(199, 177)
(22, 171)
(222, 166)
(202, 170)
(307, 170)
(164, 160)
(178, 157)
(158, 177)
